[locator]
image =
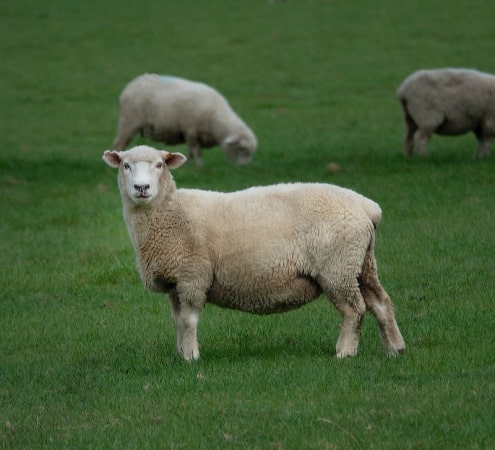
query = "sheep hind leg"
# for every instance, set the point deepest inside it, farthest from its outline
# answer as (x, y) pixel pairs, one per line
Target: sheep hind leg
(347, 298)
(125, 132)
(411, 128)
(379, 304)
(421, 138)
(350, 331)
(194, 150)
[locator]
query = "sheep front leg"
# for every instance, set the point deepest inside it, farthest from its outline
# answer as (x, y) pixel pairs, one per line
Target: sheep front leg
(483, 147)
(194, 150)
(188, 325)
(174, 303)
(186, 318)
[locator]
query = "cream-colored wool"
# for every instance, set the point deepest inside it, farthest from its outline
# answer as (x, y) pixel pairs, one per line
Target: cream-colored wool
(175, 111)
(261, 250)
(448, 102)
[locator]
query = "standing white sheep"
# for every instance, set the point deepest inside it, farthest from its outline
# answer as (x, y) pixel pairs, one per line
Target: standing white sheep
(261, 250)
(448, 102)
(176, 111)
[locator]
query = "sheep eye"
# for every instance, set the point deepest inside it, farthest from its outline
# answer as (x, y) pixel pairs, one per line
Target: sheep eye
(159, 165)
(127, 166)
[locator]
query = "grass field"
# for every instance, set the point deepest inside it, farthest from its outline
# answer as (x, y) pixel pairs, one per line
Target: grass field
(87, 356)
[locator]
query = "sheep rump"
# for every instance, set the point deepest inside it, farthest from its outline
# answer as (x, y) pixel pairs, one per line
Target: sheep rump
(261, 250)
(448, 102)
(174, 111)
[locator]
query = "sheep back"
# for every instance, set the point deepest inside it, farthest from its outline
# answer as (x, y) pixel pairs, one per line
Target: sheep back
(167, 106)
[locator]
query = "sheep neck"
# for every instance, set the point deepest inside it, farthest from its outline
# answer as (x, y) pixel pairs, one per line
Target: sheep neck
(150, 227)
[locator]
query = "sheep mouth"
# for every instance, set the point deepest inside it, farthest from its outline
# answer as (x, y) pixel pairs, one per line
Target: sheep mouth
(140, 198)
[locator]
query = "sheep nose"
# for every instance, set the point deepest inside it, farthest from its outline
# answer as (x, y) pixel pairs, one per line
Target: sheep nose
(141, 187)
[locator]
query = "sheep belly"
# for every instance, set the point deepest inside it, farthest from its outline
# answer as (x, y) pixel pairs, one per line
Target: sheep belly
(457, 123)
(264, 295)
(448, 128)
(262, 280)
(169, 137)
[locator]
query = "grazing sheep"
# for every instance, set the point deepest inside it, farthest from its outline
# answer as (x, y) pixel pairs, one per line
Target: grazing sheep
(448, 102)
(176, 111)
(261, 250)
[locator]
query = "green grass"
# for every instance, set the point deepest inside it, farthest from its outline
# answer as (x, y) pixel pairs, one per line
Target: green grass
(87, 357)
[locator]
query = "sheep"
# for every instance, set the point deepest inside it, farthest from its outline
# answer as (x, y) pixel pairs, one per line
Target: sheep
(175, 111)
(260, 250)
(448, 102)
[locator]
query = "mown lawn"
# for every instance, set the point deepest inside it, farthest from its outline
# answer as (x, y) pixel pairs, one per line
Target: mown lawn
(87, 357)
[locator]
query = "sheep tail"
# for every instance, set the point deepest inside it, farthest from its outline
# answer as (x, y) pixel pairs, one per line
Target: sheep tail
(373, 211)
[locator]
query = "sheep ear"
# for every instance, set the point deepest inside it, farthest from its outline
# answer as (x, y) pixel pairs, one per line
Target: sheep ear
(112, 158)
(232, 139)
(174, 160)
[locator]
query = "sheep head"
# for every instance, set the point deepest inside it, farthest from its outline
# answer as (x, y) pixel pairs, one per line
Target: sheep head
(141, 170)
(240, 147)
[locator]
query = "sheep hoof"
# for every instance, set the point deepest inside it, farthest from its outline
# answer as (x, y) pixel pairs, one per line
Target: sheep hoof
(346, 353)
(396, 352)
(191, 356)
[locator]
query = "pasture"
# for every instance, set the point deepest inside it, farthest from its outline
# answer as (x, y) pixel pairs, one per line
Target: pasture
(87, 356)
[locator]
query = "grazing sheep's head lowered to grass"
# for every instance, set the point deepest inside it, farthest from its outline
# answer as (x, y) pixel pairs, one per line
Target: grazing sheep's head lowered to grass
(240, 148)
(139, 178)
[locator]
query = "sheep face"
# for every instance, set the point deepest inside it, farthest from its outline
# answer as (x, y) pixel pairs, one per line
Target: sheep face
(140, 171)
(240, 148)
